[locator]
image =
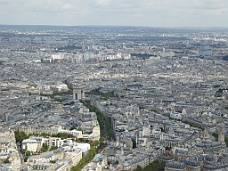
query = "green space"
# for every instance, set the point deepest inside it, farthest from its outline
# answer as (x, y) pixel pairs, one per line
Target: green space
(155, 166)
(53, 148)
(53, 161)
(44, 148)
(63, 136)
(104, 122)
(20, 136)
(215, 135)
(85, 160)
(26, 155)
(6, 161)
(95, 147)
(155, 111)
(53, 96)
(103, 95)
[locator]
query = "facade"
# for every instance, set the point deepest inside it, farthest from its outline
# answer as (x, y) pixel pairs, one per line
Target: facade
(175, 166)
(78, 94)
(31, 145)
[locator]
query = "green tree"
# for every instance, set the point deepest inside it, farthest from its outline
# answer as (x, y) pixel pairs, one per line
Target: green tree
(23, 151)
(44, 147)
(53, 148)
(155, 166)
(28, 153)
(94, 143)
(139, 168)
(64, 136)
(20, 136)
(26, 159)
(84, 161)
(102, 139)
(6, 161)
(104, 122)
(53, 161)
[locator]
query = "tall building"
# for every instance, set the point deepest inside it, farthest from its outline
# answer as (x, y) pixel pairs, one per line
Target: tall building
(221, 134)
(205, 50)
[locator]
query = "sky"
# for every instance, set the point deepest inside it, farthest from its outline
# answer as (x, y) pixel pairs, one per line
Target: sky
(152, 13)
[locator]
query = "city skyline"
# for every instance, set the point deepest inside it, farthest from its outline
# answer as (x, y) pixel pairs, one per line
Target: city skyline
(113, 98)
(150, 13)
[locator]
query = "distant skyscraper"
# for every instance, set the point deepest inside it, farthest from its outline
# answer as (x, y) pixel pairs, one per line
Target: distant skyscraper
(205, 50)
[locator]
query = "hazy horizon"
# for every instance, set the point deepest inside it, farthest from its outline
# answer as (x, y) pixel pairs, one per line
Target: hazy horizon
(174, 27)
(144, 13)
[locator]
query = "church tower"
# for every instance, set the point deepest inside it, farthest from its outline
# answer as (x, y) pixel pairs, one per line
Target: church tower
(221, 134)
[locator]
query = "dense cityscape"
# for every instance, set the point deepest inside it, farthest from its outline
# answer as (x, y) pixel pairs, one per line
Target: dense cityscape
(108, 98)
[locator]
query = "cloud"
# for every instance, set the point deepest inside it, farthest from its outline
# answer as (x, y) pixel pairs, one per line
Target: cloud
(103, 2)
(68, 7)
(115, 12)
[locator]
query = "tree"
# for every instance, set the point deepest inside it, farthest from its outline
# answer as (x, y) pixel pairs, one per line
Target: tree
(139, 168)
(84, 161)
(53, 148)
(6, 161)
(53, 161)
(64, 136)
(44, 147)
(20, 136)
(102, 139)
(94, 143)
(155, 166)
(28, 153)
(26, 159)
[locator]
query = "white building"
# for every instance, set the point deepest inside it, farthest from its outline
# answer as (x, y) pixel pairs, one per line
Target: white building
(33, 144)
(146, 131)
